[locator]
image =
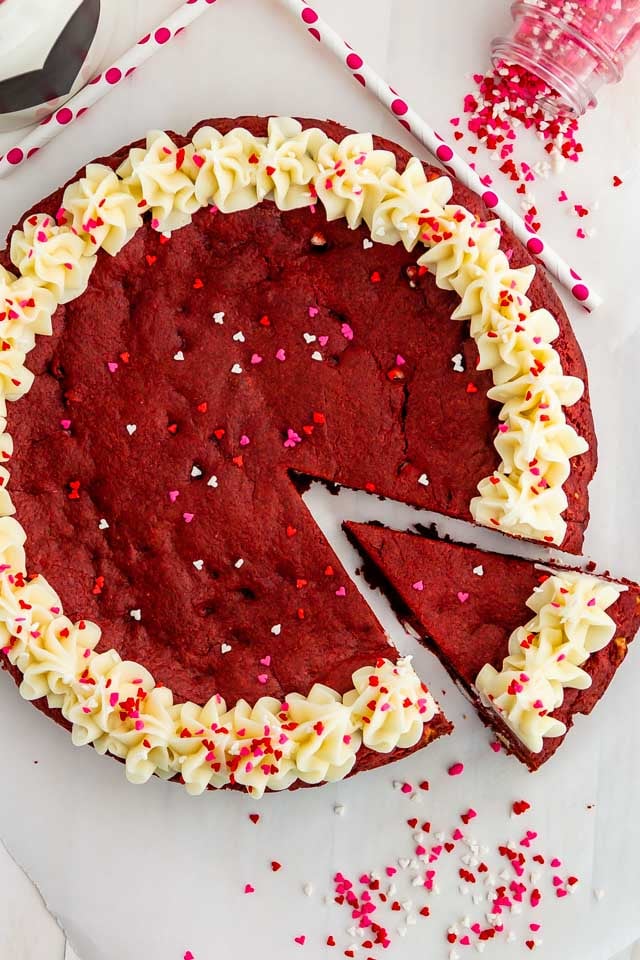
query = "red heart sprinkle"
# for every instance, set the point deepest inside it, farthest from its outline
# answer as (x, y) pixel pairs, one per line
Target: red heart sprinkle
(151, 259)
(198, 284)
(291, 531)
(275, 866)
(471, 388)
(254, 817)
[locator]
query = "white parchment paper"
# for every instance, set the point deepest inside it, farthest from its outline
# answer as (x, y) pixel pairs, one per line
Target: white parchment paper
(141, 873)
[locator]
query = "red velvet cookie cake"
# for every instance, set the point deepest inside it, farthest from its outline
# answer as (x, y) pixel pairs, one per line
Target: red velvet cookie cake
(528, 677)
(231, 313)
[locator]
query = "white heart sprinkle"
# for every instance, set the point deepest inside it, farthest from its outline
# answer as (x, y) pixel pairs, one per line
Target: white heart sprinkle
(196, 471)
(275, 629)
(103, 525)
(479, 570)
(238, 563)
(131, 429)
(309, 337)
(219, 316)
(338, 809)
(236, 368)
(225, 647)
(423, 480)
(403, 863)
(198, 564)
(238, 337)
(212, 481)
(179, 355)
(367, 244)
(458, 365)
(598, 894)
(135, 614)
(307, 889)
(316, 355)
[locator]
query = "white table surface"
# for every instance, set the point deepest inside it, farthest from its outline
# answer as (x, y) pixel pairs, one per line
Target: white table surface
(247, 57)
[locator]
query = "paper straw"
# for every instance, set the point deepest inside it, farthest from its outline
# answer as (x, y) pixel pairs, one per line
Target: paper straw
(101, 84)
(406, 115)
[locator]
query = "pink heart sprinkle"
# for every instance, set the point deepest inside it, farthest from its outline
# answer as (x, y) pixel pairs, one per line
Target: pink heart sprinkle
(266, 661)
(244, 440)
(173, 495)
(189, 956)
(406, 788)
(281, 355)
(187, 517)
(462, 596)
(256, 358)
(112, 367)
(418, 585)
(399, 360)
(556, 863)
(562, 196)
(456, 769)
(262, 677)
(341, 592)
(248, 888)
(346, 331)
(300, 940)
(313, 311)
(65, 424)
(391, 871)
(323, 341)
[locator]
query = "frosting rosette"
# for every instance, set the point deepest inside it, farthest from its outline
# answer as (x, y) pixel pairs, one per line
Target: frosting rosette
(156, 178)
(53, 256)
(349, 181)
(547, 655)
(101, 208)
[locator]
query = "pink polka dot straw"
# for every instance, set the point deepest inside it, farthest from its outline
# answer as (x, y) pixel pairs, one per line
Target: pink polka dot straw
(453, 163)
(101, 84)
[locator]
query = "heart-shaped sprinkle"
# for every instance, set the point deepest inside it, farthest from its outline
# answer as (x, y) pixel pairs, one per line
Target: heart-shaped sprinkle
(418, 585)
(179, 355)
(212, 481)
(341, 592)
(423, 480)
(266, 661)
(463, 596)
(254, 817)
(309, 337)
(479, 570)
(135, 614)
(275, 629)
(316, 355)
(236, 368)
(248, 888)
(262, 677)
(244, 440)
(256, 358)
(225, 647)
(196, 471)
(198, 564)
(313, 312)
(238, 563)
(103, 525)
(281, 355)
(219, 316)
(238, 337)
(367, 244)
(301, 939)
(65, 424)
(173, 495)
(323, 341)
(112, 367)
(346, 331)
(187, 517)
(131, 429)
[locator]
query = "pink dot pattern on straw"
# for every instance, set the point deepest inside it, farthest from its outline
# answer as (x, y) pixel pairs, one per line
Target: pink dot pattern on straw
(490, 198)
(64, 115)
(444, 152)
(535, 245)
(113, 75)
(309, 15)
(162, 34)
(354, 62)
(15, 155)
(399, 107)
(580, 292)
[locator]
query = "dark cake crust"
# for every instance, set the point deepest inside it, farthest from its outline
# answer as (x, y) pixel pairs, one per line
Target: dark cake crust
(358, 428)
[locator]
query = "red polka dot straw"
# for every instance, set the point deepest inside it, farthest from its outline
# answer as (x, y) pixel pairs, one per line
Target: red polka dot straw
(100, 85)
(320, 30)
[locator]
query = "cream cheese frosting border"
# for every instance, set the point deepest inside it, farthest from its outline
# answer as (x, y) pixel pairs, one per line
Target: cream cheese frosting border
(54, 257)
(547, 655)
